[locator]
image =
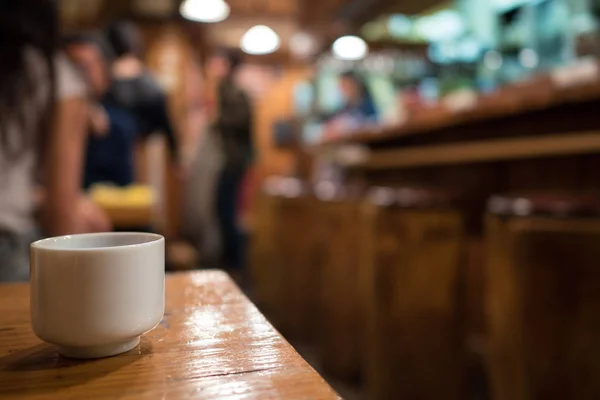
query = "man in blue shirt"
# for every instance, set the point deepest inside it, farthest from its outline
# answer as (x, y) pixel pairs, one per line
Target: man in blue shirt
(113, 130)
(109, 156)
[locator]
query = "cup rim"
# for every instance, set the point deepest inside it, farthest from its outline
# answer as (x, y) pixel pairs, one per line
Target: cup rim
(46, 244)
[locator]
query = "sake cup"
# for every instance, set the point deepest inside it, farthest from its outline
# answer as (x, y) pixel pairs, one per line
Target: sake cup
(94, 295)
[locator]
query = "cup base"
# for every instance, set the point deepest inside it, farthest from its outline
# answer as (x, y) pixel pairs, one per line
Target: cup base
(105, 350)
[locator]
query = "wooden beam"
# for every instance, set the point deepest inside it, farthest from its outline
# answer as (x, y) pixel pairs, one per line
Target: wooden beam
(486, 151)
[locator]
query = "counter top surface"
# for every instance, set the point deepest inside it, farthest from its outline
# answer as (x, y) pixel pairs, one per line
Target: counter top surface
(211, 344)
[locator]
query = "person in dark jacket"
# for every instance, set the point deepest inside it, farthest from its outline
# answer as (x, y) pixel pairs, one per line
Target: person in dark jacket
(233, 124)
(110, 145)
(134, 88)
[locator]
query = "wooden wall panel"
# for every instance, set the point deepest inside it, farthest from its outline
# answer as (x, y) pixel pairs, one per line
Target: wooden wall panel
(275, 104)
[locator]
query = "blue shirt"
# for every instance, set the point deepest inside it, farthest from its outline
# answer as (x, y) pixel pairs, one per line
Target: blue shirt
(365, 109)
(109, 158)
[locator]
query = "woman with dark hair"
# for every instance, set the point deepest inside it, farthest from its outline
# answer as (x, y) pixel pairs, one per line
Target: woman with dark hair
(357, 96)
(358, 107)
(43, 119)
(109, 154)
(133, 88)
(233, 125)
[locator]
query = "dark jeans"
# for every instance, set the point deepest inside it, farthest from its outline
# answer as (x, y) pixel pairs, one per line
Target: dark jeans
(232, 238)
(14, 256)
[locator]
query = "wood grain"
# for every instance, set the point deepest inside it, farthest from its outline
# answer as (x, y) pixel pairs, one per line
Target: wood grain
(340, 337)
(414, 340)
(542, 307)
(300, 248)
(211, 344)
(265, 271)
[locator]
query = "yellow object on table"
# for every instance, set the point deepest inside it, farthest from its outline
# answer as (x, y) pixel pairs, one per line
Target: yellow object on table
(129, 206)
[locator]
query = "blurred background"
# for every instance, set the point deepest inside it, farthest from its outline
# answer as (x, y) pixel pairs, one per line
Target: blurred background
(406, 188)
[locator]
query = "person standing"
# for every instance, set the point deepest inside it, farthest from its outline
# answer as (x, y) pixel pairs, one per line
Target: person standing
(43, 126)
(134, 88)
(109, 156)
(233, 125)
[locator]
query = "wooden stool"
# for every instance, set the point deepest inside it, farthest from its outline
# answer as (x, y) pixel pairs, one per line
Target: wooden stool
(412, 257)
(341, 306)
(543, 300)
(298, 240)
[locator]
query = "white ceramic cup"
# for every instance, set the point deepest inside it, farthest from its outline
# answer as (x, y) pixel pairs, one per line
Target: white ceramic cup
(93, 295)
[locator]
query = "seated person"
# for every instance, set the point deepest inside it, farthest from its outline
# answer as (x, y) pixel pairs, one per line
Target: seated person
(358, 100)
(358, 108)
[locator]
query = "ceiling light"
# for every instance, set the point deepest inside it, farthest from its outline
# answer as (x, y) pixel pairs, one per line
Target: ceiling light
(204, 10)
(350, 48)
(260, 39)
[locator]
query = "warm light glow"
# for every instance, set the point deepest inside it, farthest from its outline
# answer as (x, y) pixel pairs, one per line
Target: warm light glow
(350, 48)
(260, 39)
(302, 45)
(204, 10)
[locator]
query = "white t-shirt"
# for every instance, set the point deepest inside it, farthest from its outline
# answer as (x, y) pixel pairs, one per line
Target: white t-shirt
(17, 176)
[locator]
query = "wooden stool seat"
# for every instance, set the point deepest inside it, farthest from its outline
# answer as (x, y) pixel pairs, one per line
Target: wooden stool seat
(545, 204)
(410, 198)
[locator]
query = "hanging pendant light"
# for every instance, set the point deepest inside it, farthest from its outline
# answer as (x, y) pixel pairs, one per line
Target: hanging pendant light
(205, 10)
(350, 48)
(260, 39)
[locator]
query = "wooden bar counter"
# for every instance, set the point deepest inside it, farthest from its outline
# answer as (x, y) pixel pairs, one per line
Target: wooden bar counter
(212, 343)
(534, 136)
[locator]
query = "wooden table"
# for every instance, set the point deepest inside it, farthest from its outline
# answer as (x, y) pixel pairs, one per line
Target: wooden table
(212, 343)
